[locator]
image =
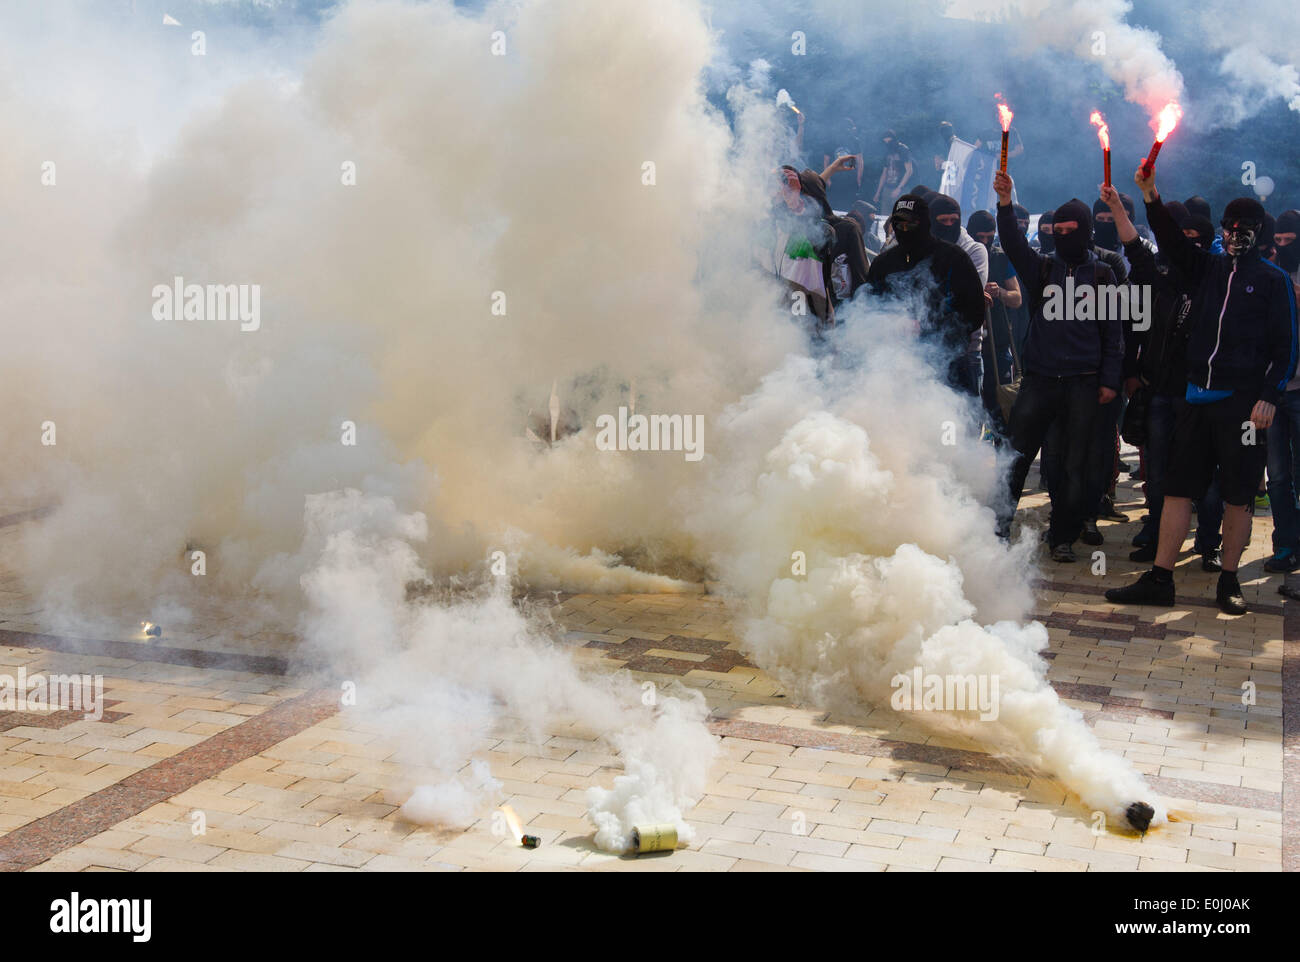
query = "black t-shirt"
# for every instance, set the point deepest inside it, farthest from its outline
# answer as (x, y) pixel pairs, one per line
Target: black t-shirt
(897, 157)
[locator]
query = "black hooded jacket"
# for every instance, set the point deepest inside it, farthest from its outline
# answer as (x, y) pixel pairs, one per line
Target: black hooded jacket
(1063, 348)
(954, 306)
(1243, 323)
(847, 235)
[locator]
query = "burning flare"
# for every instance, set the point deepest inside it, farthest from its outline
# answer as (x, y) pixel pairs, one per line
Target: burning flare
(1004, 118)
(1164, 124)
(1103, 135)
(1103, 129)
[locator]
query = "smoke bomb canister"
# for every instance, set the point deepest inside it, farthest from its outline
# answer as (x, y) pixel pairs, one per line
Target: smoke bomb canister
(530, 841)
(654, 838)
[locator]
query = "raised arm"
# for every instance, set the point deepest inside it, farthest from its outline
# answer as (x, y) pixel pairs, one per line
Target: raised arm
(1189, 259)
(1026, 261)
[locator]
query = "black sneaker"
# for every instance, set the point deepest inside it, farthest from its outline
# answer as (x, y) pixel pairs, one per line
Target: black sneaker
(1064, 553)
(1003, 530)
(1146, 554)
(1145, 591)
(1108, 512)
(1212, 560)
(1090, 534)
(1283, 561)
(1228, 594)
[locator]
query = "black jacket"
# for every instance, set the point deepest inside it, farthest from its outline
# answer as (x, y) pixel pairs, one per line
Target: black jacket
(954, 306)
(1243, 321)
(1061, 348)
(1158, 355)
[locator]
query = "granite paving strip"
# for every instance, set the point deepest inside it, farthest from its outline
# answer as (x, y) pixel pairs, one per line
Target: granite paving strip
(54, 719)
(33, 843)
(141, 651)
(1291, 732)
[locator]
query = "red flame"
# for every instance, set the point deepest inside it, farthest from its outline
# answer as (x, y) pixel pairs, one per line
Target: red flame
(1165, 122)
(1004, 113)
(1103, 129)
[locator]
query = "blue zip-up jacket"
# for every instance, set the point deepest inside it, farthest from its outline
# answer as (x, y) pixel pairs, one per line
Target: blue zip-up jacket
(1061, 348)
(1243, 321)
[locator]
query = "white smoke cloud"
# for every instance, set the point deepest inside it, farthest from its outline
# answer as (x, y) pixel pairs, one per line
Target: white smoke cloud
(523, 174)
(1094, 31)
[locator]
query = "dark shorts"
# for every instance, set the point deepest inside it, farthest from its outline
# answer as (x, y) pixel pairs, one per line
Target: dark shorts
(1210, 436)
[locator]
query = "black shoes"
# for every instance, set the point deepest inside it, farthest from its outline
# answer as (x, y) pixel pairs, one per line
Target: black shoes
(1228, 594)
(1108, 512)
(1064, 553)
(1212, 560)
(1145, 591)
(1145, 554)
(1090, 534)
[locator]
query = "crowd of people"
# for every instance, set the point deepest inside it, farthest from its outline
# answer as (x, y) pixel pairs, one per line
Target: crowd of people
(1195, 364)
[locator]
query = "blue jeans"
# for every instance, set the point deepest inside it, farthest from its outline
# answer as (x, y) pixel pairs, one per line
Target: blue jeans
(1162, 413)
(1283, 456)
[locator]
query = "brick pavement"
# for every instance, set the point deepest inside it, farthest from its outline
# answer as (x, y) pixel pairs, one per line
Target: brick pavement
(285, 780)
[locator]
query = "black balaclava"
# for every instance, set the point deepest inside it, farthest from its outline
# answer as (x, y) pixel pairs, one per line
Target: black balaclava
(1046, 240)
(1022, 216)
(1203, 228)
(911, 220)
(1178, 212)
(1288, 256)
(1198, 206)
(1104, 234)
(981, 222)
(890, 139)
(1265, 244)
(1074, 247)
(1129, 207)
(1243, 226)
(943, 204)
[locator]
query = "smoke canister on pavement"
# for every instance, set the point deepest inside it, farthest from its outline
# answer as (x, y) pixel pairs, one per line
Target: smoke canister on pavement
(530, 841)
(654, 838)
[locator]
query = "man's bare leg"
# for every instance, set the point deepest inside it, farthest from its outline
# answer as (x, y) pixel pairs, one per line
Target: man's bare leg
(1236, 534)
(1175, 520)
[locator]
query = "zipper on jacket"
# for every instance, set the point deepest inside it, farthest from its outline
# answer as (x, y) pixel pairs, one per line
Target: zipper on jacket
(1218, 337)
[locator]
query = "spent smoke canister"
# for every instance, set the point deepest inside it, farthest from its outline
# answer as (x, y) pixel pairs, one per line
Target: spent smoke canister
(654, 838)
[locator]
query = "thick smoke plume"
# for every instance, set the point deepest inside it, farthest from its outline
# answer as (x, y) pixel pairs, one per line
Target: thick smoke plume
(613, 211)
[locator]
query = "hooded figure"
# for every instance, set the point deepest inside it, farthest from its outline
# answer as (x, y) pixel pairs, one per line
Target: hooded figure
(1288, 250)
(1199, 230)
(1022, 217)
(1178, 211)
(953, 307)
(1198, 206)
(1105, 233)
(1046, 242)
(982, 222)
(1243, 226)
(847, 241)
(1074, 246)
(940, 205)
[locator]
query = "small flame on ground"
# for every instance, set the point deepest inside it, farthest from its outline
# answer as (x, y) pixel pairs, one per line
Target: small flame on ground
(1167, 120)
(1004, 113)
(1103, 129)
(514, 822)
